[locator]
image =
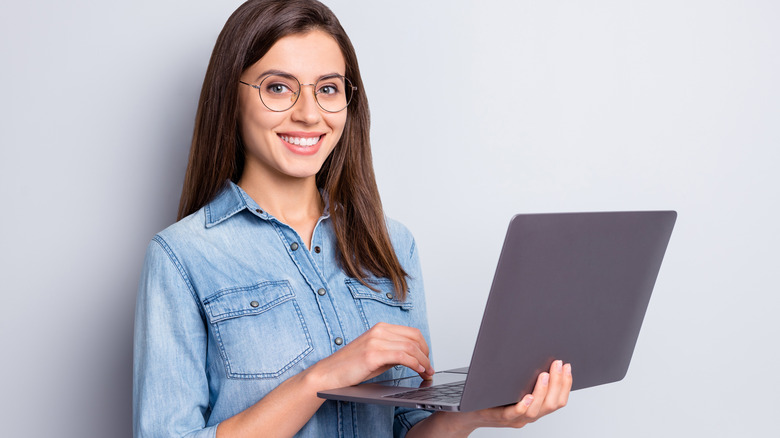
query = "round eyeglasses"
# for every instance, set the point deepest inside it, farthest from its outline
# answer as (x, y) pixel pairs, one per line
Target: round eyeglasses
(279, 92)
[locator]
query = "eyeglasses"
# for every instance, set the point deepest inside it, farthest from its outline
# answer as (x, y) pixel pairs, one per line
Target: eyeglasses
(279, 92)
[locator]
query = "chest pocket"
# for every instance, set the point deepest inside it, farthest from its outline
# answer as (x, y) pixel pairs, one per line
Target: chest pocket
(260, 330)
(381, 306)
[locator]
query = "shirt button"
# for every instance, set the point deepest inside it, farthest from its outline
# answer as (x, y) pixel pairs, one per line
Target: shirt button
(389, 296)
(317, 249)
(321, 292)
(254, 304)
(294, 246)
(338, 341)
(259, 211)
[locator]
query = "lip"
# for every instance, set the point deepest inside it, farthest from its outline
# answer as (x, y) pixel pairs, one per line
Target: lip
(302, 150)
(301, 134)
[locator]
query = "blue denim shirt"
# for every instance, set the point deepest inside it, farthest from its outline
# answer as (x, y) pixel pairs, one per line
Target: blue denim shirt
(231, 303)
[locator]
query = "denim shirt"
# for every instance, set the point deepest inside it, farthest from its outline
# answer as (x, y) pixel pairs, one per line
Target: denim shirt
(231, 303)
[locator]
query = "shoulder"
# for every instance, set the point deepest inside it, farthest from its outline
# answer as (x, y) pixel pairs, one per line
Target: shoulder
(194, 223)
(170, 246)
(206, 221)
(401, 238)
(186, 229)
(397, 230)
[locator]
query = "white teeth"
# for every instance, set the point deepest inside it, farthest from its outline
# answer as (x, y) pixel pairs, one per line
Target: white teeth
(301, 141)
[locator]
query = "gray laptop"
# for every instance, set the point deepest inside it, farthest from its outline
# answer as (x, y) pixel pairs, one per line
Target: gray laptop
(570, 286)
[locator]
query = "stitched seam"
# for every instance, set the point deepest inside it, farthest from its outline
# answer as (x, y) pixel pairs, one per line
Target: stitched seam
(362, 314)
(293, 361)
(210, 223)
(222, 351)
(224, 217)
(353, 407)
(182, 272)
(325, 285)
(254, 311)
(341, 420)
(404, 421)
(290, 252)
(283, 284)
(221, 292)
(360, 292)
(322, 313)
(278, 230)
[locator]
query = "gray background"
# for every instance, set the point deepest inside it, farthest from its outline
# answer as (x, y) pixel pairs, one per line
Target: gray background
(480, 111)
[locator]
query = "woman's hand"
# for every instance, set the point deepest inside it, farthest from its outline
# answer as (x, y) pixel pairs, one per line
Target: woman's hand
(372, 353)
(551, 393)
(286, 409)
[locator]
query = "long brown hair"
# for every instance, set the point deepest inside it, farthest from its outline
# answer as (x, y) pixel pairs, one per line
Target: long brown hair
(217, 153)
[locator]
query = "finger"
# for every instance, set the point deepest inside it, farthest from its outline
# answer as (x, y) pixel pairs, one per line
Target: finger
(399, 333)
(421, 359)
(519, 409)
(556, 387)
(393, 331)
(568, 379)
(382, 353)
(508, 416)
(540, 392)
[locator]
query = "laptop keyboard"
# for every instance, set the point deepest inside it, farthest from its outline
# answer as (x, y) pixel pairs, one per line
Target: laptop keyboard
(446, 393)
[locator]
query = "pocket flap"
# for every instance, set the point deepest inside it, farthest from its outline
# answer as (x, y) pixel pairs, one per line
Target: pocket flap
(247, 300)
(386, 292)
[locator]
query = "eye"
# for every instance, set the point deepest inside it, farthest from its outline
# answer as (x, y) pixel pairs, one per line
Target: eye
(328, 89)
(277, 88)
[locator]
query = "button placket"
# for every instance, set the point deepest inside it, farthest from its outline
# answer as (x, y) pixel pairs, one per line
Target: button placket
(309, 259)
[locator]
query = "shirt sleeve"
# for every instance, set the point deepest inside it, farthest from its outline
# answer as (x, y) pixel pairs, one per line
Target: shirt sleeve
(406, 418)
(170, 388)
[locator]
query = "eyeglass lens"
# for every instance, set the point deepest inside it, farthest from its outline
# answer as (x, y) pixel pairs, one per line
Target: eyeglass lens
(280, 92)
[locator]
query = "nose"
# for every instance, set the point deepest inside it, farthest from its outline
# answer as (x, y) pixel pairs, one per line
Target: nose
(306, 109)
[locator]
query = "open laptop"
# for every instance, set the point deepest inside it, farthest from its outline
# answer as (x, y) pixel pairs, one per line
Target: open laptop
(570, 286)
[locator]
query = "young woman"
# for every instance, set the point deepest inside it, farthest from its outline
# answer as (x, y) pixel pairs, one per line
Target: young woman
(282, 276)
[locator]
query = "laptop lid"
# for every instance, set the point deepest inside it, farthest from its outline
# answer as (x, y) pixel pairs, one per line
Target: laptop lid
(571, 286)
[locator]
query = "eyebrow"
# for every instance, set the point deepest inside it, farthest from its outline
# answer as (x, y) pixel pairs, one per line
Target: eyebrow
(284, 73)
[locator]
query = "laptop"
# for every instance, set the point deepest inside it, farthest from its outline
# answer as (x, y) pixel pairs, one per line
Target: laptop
(569, 286)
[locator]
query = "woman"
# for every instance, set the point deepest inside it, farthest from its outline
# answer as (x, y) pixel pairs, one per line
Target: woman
(283, 277)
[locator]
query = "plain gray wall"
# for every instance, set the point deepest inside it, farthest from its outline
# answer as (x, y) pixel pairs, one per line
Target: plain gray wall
(480, 110)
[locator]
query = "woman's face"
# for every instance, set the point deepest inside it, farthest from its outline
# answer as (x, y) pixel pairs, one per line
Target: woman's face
(292, 143)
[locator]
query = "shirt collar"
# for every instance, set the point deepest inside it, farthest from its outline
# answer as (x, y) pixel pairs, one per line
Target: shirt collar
(229, 201)
(232, 199)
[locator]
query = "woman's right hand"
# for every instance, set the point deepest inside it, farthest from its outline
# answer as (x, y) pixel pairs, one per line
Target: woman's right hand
(372, 353)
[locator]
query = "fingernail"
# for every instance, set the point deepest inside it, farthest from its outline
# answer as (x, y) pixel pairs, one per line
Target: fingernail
(421, 369)
(558, 365)
(567, 368)
(545, 378)
(527, 400)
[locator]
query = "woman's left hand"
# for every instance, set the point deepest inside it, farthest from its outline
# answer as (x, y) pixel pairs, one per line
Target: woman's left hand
(551, 393)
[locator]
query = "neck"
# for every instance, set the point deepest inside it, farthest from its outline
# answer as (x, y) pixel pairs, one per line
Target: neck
(286, 201)
(294, 201)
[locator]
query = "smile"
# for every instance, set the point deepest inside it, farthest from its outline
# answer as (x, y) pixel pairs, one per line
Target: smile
(301, 141)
